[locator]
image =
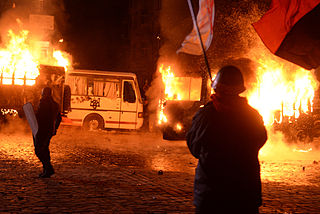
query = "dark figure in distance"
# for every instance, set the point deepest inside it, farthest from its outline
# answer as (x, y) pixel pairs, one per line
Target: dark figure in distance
(226, 136)
(49, 118)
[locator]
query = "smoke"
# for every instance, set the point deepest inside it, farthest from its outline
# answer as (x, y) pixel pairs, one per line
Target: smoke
(13, 124)
(13, 18)
(153, 95)
(175, 24)
(44, 19)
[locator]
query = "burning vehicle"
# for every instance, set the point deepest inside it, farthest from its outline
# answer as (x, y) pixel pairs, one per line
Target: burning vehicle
(288, 101)
(16, 90)
(180, 100)
(26, 66)
(286, 97)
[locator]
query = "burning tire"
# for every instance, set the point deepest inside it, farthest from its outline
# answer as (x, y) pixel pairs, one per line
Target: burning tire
(93, 122)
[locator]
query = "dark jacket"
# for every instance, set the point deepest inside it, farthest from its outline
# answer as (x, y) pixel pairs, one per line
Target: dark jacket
(226, 137)
(48, 117)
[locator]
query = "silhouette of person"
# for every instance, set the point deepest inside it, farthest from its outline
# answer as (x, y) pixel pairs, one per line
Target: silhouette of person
(48, 118)
(226, 136)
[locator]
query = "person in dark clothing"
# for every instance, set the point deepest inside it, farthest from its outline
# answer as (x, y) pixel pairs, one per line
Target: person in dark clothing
(48, 118)
(226, 136)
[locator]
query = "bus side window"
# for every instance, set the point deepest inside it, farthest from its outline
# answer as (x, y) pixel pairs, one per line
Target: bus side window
(90, 87)
(128, 93)
(77, 84)
(111, 90)
(98, 87)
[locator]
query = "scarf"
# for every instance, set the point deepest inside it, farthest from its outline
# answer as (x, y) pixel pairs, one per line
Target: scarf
(228, 103)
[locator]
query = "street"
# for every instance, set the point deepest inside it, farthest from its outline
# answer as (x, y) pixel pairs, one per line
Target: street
(135, 172)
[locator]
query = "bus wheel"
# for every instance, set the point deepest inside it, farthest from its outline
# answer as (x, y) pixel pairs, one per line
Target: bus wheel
(93, 122)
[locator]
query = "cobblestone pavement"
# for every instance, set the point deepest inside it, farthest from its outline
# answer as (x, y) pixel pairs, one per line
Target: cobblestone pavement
(130, 172)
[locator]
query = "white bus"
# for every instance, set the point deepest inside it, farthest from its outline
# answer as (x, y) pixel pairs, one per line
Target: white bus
(104, 99)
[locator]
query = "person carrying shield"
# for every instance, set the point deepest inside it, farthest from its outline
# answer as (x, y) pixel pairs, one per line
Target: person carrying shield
(48, 118)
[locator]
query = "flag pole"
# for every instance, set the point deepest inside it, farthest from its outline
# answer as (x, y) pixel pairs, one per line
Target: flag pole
(199, 36)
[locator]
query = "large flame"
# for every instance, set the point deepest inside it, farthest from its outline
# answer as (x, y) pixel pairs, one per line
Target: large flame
(17, 64)
(171, 90)
(62, 59)
(177, 88)
(288, 92)
(282, 90)
(19, 60)
(281, 94)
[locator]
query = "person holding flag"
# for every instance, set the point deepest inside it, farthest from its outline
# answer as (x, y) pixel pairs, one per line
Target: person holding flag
(226, 136)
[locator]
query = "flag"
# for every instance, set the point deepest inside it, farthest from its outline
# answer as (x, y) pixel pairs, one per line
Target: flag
(205, 18)
(290, 30)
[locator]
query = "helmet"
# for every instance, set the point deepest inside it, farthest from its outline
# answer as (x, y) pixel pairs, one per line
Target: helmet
(229, 81)
(46, 92)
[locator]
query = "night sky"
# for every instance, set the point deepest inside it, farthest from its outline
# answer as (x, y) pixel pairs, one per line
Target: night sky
(96, 33)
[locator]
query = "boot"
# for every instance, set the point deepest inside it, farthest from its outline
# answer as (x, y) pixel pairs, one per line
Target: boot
(47, 172)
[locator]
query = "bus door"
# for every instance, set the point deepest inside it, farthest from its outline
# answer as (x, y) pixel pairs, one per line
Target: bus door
(128, 114)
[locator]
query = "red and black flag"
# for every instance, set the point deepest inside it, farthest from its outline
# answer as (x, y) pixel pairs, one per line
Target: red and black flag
(291, 30)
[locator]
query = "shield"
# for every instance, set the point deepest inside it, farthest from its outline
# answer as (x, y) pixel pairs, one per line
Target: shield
(290, 29)
(31, 117)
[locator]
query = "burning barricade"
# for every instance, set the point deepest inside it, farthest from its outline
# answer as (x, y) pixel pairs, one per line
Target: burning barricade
(22, 74)
(284, 97)
(286, 100)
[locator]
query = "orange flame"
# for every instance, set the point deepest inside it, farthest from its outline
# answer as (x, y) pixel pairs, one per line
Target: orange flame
(280, 90)
(19, 61)
(168, 79)
(62, 59)
(177, 88)
(17, 64)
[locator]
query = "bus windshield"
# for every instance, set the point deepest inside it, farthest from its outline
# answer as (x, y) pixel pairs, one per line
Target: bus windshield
(185, 88)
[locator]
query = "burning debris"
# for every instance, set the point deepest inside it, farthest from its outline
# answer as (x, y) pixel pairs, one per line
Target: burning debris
(283, 94)
(179, 100)
(19, 64)
(26, 50)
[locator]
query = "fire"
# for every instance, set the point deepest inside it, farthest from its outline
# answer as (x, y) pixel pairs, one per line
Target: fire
(62, 59)
(162, 117)
(19, 59)
(283, 92)
(17, 64)
(177, 88)
(168, 79)
(278, 90)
